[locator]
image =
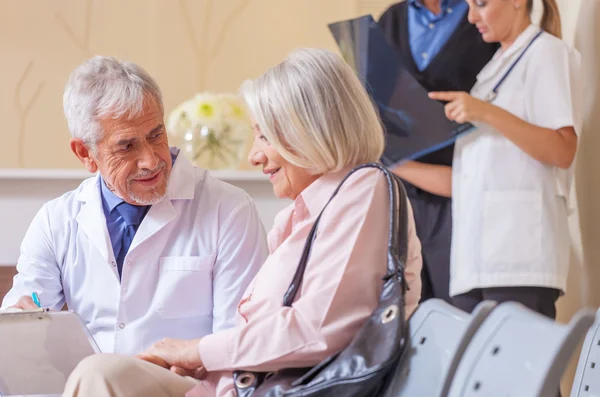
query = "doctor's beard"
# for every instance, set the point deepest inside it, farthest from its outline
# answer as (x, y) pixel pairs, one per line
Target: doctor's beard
(155, 197)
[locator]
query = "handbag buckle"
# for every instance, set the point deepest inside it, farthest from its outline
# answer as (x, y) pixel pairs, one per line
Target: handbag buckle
(389, 314)
(245, 380)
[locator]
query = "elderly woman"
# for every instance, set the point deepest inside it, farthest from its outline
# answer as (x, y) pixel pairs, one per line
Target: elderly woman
(313, 122)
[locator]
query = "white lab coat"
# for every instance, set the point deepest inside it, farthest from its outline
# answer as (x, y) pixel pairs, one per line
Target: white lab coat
(191, 259)
(509, 210)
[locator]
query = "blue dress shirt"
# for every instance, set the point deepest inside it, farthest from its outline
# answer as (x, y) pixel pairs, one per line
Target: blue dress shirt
(429, 32)
(114, 221)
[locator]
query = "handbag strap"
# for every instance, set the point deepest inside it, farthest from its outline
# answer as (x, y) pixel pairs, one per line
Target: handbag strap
(397, 239)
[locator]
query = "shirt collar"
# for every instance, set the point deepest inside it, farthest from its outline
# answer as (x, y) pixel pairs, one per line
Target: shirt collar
(445, 3)
(318, 193)
(502, 58)
(110, 199)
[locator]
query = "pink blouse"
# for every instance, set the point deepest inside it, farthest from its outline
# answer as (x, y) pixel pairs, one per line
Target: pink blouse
(340, 290)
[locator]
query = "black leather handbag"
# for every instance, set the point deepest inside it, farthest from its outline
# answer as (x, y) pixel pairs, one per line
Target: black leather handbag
(363, 368)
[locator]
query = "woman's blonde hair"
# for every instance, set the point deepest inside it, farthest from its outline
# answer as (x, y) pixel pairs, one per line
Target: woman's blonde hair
(550, 18)
(314, 111)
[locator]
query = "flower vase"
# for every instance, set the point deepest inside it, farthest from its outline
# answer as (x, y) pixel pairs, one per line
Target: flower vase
(214, 149)
(212, 130)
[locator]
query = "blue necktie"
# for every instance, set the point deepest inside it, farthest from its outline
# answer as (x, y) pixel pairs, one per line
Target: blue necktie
(132, 215)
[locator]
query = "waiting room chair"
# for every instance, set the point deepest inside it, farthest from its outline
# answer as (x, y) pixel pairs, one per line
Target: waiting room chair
(438, 332)
(518, 352)
(587, 377)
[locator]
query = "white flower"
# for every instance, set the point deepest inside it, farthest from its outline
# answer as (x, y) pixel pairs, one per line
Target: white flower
(235, 112)
(211, 126)
(176, 120)
(202, 109)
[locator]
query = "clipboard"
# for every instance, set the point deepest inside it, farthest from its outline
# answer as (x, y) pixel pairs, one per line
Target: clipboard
(39, 349)
(415, 125)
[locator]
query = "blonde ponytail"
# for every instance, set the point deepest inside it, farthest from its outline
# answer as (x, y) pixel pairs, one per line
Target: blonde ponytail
(550, 18)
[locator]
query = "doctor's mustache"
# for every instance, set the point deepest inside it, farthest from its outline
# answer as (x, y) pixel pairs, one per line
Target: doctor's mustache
(145, 173)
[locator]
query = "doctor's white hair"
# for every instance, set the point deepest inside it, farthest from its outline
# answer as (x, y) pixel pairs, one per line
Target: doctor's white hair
(314, 111)
(105, 87)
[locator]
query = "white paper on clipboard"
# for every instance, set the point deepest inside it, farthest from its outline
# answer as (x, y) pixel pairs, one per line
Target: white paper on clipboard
(39, 350)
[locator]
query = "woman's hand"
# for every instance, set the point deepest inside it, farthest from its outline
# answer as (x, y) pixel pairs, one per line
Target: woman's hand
(462, 107)
(553, 147)
(198, 373)
(174, 354)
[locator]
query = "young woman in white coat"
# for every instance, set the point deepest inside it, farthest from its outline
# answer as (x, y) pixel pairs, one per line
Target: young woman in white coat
(512, 175)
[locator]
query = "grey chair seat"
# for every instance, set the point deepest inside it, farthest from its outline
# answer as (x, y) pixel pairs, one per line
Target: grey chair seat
(439, 334)
(587, 377)
(518, 352)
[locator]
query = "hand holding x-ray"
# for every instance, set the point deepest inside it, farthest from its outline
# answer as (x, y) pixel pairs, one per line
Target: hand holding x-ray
(415, 124)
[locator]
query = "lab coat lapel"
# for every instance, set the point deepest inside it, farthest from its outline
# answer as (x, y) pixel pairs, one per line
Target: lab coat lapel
(92, 221)
(157, 218)
(181, 186)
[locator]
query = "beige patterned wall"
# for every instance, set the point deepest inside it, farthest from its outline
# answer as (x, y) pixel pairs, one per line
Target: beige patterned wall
(192, 45)
(187, 45)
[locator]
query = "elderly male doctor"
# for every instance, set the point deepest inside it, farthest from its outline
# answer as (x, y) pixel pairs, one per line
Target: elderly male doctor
(151, 247)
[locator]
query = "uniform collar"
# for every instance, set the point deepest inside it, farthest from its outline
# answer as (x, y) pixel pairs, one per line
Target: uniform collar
(520, 43)
(182, 181)
(180, 186)
(503, 58)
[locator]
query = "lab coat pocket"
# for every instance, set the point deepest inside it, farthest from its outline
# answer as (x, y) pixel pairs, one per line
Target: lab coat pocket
(185, 286)
(512, 229)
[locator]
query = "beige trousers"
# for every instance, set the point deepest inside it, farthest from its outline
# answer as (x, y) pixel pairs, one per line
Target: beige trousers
(112, 375)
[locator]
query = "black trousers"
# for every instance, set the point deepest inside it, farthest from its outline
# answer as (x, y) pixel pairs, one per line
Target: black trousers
(433, 221)
(539, 299)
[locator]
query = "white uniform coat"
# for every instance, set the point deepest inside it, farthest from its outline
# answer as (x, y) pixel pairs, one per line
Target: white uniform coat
(191, 259)
(509, 210)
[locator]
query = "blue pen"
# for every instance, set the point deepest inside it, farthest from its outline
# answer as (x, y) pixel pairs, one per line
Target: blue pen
(36, 299)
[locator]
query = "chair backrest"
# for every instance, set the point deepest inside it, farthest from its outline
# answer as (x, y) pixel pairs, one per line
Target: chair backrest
(587, 377)
(436, 332)
(518, 352)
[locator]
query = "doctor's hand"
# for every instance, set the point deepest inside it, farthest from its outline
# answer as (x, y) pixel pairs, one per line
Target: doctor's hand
(26, 303)
(169, 353)
(461, 106)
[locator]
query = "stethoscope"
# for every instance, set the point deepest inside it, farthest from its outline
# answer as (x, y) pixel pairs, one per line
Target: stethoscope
(492, 95)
